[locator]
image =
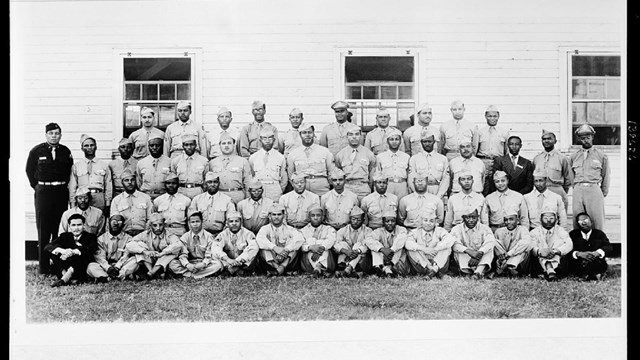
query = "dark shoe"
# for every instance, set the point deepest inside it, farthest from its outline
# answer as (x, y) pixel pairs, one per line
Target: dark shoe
(490, 275)
(317, 274)
(477, 276)
(551, 277)
(598, 277)
(513, 272)
(584, 278)
(102, 280)
(58, 282)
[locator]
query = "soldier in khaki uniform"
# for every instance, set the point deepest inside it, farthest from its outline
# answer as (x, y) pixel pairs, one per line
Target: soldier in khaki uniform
(413, 136)
(559, 172)
(225, 127)
(140, 137)
(411, 208)
(279, 243)
(234, 171)
(549, 244)
(591, 175)
(269, 166)
(255, 208)
(213, 205)
(376, 139)
(457, 131)
(378, 201)
(394, 164)
(173, 206)
(134, 205)
(298, 201)
(316, 256)
(237, 247)
(334, 135)
(358, 164)
(429, 247)
(111, 261)
(467, 161)
(92, 173)
(513, 245)
(184, 125)
(434, 164)
(118, 165)
(313, 160)
(249, 141)
(492, 143)
(197, 257)
(354, 257)
(338, 202)
(473, 249)
(387, 243)
(190, 168)
(291, 139)
(151, 171)
(93, 217)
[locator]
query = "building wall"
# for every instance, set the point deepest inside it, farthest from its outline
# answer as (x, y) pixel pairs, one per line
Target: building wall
(287, 54)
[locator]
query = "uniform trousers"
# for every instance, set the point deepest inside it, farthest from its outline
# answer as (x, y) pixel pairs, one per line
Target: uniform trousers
(362, 262)
(268, 260)
(463, 261)
(190, 192)
(235, 195)
(177, 268)
(420, 261)
(94, 270)
(360, 188)
(318, 186)
(560, 191)
(50, 202)
(326, 262)
(588, 199)
(399, 263)
(400, 189)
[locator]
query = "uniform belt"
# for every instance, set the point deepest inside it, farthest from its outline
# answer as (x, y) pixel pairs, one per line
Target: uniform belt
(176, 225)
(52, 183)
(432, 182)
(190, 185)
(268, 181)
(586, 184)
(498, 226)
(95, 190)
(231, 189)
(154, 192)
(397, 180)
(488, 157)
(315, 176)
(357, 181)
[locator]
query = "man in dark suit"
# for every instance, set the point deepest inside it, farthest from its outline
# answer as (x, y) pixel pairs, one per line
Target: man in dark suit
(519, 169)
(590, 248)
(71, 252)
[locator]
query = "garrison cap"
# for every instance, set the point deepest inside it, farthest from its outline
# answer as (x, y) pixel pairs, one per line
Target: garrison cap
(298, 176)
(234, 215)
(127, 174)
(254, 184)
(225, 136)
(540, 172)
(295, 111)
(356, 211)
(468, 210)
(171, 176)
(492, 108)
(223, 110)
(585, 129)
(382, 112)
(257, 104)
(353, 128)
(547, 209)
(510, 211)
(156, 217)
(425, 134)
(210, 175)
(145, 110)
(499, 174)
(305, 125)
(276, 207)
(389, 213)
(464, 172)
(339, 105)
(51, 126)
(82, 190)
(188, 137)
(315, 207)
(421, 174)
(424, 107)
(125, 141)
(184, 104)
(85, 137)
(117, 215)
(464, 142)
(267, 131)
(337, 173)
(394, 132)
(547, 132)
(155, 137)
(378, 176)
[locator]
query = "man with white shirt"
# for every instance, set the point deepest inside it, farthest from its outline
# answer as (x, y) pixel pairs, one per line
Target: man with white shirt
(140, 137)
(429, 247)
(316, 256)
(473, 249)
(550, 243)
(298, 202)
(354, 258)
(413, 136)
(513, 245)
(291, 139)
(358, 164)
(590, 249)
(213, 204)
(496, 203)
(313, 160)
(334, 135)
(338, 202)
(236, 247)
(255, 208)
(376, 139)
(456, 131)
(184, 125)
(541, 197)
(394, 164)
(465, 197)
(467, 161)
(269, 166)
(225, 118)
(411, 208)
(434, 164)
(94, 219)
(279, 243)
(492, 143)
(559, 172)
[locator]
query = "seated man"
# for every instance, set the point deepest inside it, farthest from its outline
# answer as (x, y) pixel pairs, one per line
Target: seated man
(173, 206)
(154, 248)
(513, 245)
(71, 252)
(590, 248)
(338, 201)
(549, 243)
(412, 206)
(298, 202)
(111, 261)
(429, 247)
(279, 243)
(353, 254)
(255, 208)
(196, 258)
(237, 247)
(473, 249)
(496, 202)
(316, 257)
(386, 243)
(378, 201)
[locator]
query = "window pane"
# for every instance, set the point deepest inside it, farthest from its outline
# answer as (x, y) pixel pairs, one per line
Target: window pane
(132, 116)
(167, 115)
(354, 92)
(596, 89)
(579, 113)
(149, 92)
(612, 113)
(579, 88)
(405, 92)
(154, 69)
(589, 65)
(132, 92)
(378, 68)
(370, 92)
(167, 91)
(184, 92)
(613, 89)
(389, 92)
(595, 113)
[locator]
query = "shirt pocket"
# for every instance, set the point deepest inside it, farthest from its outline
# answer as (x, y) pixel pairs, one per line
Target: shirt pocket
(165, 170)
(164, 207)
(123, 206)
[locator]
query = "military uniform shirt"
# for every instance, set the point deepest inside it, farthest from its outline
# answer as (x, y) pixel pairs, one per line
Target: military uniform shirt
(437, 168)
(117, 167)
(513, 242)
(173, 208)
(350, 238)
(491, 141)
(99, 178)
(455, 132)
(591, 166)
(151, 172)
(361, 167)
(173, 137)
(558, 168)
(203, 249)
(473, 164)
(338, 206)
(376, 140)
(234, 171)
(412, 207)
(334, 136)
(496, 202)
(479, 238)
(314, 160)
(42, 167)
(147, 240)
(111, 249)
(536, 201)
(375, 204)
(274, 168)
(291, 140)
(190, 169)
(323, 235)
(214, 140)
(140, 139)
(413, 138)
(558, 238)
(242, 247)
(249, 141)
(393, 165)
(381, 238)
(255, 214)
(214, 209)
(297, 205)
(284, 236)
(93, 220)
(457, 202)
(136, 209)
(438, 238)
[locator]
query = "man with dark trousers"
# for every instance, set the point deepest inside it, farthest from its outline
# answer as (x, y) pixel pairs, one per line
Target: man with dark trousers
(590, 248)
(519, 169)
(48, 169)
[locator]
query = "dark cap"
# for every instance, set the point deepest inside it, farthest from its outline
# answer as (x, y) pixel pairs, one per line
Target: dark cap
(52, 126)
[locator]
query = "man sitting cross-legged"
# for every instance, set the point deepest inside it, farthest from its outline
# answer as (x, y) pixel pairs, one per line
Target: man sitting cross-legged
(353, 254)
(387, 247)
(279, 243)
(429, 247)
(111, 261)
(316, 257)
(237, 247)
(473, 249)
(513, 245)
(550, 243)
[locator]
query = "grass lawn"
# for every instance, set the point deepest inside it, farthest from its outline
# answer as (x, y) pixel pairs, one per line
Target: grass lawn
(302, 298)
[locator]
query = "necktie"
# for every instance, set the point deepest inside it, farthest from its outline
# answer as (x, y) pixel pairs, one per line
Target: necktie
(266, 158)
(540, 201)
(307, 151)
(548, 238)
(126, 164)
(156, 242)
(234, 239)
(53, 153)
(340, 129)
(300, 212)
(513, 161)
(226, 162)
(467, 200)
(196, 240)
(155, 163)
(90, 167)
(113, 247)
(353, 155)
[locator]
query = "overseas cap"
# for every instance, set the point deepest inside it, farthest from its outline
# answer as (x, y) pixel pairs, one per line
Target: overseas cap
(145, 110)
(223, 110)
(547, 132)
(585, 129)
(125, 141)
(184, 104)
(540, 172)
(429, 213)
(379, 176)
(389, 213)
(171, 176)
(113, 216)
(257, 104)
(276, 207)
(464, 173)
(234, 215)
(394, 132)
(356, 211)
(210, 175)
(305, 125)
(353, 129)
(425, 134)
(421, 174)
(315, 207)
(547, 210)
(188, 137)
(510, 210)
(295, 111)
(337, 173)
(424, 107)
(492, 108)
(298, 176)
(85, 137)
(127, 174)
(267, 131)
(382, 112)
(254, 184)
(82, 190)
(156, 217)
(155, 137)
(468, 210)
(499, 174)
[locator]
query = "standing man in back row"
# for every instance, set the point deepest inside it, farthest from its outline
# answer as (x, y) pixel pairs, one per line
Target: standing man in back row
(249, 140)
(48, 168)
(334, 135)
(376, 139)
(184, 125)
(492, 143)
(457, 131)
(559, 174)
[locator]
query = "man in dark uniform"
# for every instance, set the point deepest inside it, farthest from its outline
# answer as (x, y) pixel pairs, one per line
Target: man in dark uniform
(48, 169)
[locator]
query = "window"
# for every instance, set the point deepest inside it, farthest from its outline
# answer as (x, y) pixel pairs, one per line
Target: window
(595, 93)
(372, 82)
(155, 82)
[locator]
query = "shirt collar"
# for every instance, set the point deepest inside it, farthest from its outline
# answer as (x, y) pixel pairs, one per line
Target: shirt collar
(586, 236)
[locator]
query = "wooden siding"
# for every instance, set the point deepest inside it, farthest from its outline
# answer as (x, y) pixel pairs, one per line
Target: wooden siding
(286, 53)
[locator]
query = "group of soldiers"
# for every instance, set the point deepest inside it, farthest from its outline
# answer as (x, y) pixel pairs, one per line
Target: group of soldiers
(186, 202)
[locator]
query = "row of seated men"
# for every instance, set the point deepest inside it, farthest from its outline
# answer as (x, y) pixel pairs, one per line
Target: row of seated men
(355, 249)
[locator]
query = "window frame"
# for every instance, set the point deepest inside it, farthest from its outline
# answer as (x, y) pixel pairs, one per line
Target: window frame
(415, 51)
(566, 93)
(119, 54)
